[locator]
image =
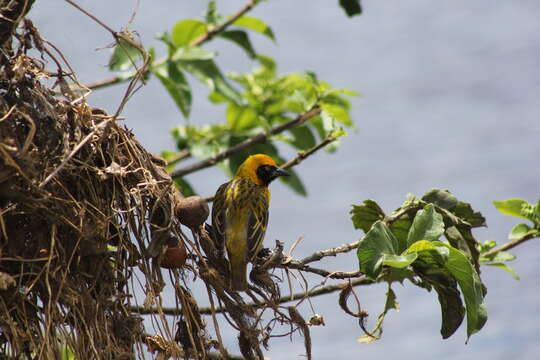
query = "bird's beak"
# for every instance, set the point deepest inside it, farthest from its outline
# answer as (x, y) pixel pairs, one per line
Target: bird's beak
(281, 172)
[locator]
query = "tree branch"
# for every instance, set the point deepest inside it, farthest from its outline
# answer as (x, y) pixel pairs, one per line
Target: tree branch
(297, 160)
(318, 255)
(507, 246)
(295, 264)
(299, 295)
(259, 138)
(196, 42)
(214, 31)
(305, 154)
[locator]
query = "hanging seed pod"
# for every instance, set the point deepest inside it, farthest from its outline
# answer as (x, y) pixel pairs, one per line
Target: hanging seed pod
(192, 211)
(174, 256)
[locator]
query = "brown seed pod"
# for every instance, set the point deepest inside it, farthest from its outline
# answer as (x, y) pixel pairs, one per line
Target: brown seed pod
(174, 257)
(192, 211)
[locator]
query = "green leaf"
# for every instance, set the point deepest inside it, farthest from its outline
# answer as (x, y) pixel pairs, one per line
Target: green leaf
(457, 240)
(203, 150)
(364, 216)
(351, 7)
(337, 113)
(430, 267)
(512, 207)
(399, 261)
(293, 181)
(184, 187)
(298, 102)
(427, 225)
(531, 212)
(347, 92)
(505, 268)
(185, 31)
(400, 228)
(187, 53)
(337, 133)
(452, 311)
(422, 245)
(378, 242)
(208, 73)
(520, 231)
(464, 211)
(240, 118)
(376, 333)
(240, 38)
(124, 56)
(212, 15)
(268, 64)
(392, 274)
(499, 256)
(255, 24)
(217, 98)
(471, 287)
(441, 198)
(303, 138)
(176, 84)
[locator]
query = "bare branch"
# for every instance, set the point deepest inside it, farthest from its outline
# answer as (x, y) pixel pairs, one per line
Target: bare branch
(305, 154)
(208, 310)
(259, 138)
(179, 157)
(318, 255)
(509, 245)
(295, 264)
(102, 24)
(198, 41)
(293, 162)
(214, 31)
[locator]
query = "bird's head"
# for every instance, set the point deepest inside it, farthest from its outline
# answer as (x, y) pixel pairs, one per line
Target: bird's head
(260, 169)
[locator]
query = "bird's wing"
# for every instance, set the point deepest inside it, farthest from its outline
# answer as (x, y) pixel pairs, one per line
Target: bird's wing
(258, 220)
(219, 210)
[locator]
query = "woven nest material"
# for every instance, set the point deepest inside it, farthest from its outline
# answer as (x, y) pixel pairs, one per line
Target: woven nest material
(80, 200)
(87, 216)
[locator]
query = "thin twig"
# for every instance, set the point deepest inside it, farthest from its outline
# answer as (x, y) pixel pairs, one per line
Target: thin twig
(293, 162)
(99, 127)
(318, 255)
(179, 157)
(216, 30)
(294, 264)
(507, 246)
(207, 310)
(196, 42)
(299, 120)
(305, 154)
(105, 26)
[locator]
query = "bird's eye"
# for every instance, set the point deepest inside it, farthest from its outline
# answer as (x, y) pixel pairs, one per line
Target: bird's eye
(265, 173)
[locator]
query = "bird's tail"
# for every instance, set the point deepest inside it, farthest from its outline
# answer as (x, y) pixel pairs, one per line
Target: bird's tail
(238, 269)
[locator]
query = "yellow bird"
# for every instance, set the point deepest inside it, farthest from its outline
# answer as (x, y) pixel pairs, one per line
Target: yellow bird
(240, 214)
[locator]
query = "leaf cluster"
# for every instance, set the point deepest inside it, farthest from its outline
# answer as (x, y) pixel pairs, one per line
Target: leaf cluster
(428, 241)
(523, 210)
(255, 102)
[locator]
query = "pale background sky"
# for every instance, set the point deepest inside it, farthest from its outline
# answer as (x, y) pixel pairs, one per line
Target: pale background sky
(450, 100)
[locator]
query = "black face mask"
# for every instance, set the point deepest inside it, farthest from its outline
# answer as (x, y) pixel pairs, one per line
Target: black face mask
(267, 173)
